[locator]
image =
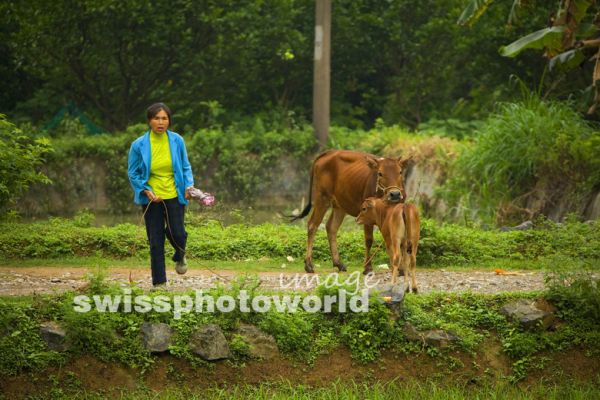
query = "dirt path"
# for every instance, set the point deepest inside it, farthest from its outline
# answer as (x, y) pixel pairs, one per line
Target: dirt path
(30, 280)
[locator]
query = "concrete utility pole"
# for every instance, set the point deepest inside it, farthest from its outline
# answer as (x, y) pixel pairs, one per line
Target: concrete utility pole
(321, 75)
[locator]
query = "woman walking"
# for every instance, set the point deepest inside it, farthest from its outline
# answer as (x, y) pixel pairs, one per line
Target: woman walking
(161, 177)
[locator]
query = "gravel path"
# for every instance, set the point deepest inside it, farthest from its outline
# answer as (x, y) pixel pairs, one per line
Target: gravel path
(30, 280)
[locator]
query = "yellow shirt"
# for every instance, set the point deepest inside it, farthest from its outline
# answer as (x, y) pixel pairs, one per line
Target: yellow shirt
(161, 179)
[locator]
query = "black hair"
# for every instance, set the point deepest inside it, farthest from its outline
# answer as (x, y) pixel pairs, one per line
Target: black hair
(155, 109)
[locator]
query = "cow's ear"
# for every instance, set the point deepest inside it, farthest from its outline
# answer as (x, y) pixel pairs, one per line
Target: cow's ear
(405, 163)
(373, 162)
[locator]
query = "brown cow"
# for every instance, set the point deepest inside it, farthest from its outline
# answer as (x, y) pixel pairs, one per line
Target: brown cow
(342, 179)
(400, 226)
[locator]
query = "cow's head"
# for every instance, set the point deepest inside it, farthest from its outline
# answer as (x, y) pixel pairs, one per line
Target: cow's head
(390, 177)
(367, 214)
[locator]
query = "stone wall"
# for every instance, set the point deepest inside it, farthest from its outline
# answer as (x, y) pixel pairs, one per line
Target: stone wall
(83, 184)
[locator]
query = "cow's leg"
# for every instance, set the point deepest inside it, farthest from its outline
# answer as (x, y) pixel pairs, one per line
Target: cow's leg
(396, 264)
(406, 268)
(413, 270)
(405, 265)
(368, 245)
(314, 221)
(333, 224)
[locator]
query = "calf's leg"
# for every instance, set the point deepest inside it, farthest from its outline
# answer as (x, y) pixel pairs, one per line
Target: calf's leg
(368, 244)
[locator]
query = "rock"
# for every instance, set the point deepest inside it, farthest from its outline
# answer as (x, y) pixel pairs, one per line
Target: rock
(524, 226)
(156, 336)
(412, 333)
(54, 336)
(55, 280)
(261, 344)
(391, 294)
(527, 315)
(433, 337)
(440, 338)
(209, 343)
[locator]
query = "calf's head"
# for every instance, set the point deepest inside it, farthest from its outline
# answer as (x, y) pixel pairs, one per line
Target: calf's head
(390, 177)
(367, 213)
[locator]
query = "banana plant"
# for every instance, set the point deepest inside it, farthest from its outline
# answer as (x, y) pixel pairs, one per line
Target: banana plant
(565, 41)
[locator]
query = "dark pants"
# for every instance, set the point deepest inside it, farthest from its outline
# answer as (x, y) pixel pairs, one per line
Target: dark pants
(157, 228)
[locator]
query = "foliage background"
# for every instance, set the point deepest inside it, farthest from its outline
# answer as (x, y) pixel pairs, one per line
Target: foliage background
(407, 62)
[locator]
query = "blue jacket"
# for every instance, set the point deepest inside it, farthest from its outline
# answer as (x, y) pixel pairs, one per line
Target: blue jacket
(140, 161)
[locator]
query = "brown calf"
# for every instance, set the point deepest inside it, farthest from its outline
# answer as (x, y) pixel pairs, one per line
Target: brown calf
(400, 226)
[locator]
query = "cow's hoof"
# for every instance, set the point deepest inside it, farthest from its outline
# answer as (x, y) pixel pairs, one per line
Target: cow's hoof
(415, 290)
(309, 268)
(368, 270)
(341, 267)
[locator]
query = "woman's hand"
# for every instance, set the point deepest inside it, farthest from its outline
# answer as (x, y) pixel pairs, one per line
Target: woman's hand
(152, 196)
(187, 193)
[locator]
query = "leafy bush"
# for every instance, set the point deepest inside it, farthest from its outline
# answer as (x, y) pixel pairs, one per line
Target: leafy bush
(20, 343)
(532, 150)
(20, 159)
(242, 164)
(366, 334)
(292, 331)
(576, 294)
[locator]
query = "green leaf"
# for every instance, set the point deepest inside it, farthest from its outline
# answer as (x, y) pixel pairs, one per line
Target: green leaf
(585, 31)
(579, 8)
(544, 38)
(567, 61)
(473, 11)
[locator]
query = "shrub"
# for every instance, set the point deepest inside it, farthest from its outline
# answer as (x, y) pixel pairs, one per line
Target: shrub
(20, 159)
(534, 149)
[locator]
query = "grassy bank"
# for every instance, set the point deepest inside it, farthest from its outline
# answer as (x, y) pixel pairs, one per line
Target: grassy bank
(374, 344)
(441, 245)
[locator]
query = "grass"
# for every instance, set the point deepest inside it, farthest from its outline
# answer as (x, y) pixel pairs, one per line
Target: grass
(350, 390)
(440, 244)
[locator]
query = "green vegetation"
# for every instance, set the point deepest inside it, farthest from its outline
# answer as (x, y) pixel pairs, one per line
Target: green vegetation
(345, 390)
(527, 157)
(20, 160)
(303, 336)
(215, 58)
(441, 245)
(239, 163)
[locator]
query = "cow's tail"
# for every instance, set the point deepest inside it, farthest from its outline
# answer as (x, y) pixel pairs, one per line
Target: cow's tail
(306, 210)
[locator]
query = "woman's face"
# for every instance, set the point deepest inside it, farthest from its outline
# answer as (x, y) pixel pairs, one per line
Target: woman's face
(160, 122)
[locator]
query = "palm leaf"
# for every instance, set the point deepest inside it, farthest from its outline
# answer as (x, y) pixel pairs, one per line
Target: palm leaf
(568, 60)
(544, 38)
(473, 11)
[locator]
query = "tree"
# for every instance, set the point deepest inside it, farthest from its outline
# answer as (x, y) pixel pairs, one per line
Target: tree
(572, 35)
(20, 157)
(108, 55)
